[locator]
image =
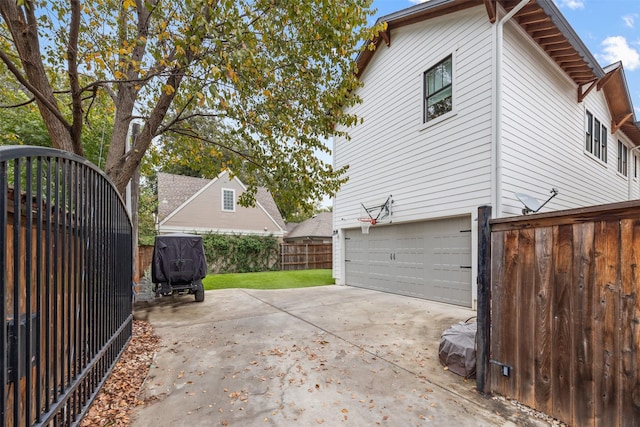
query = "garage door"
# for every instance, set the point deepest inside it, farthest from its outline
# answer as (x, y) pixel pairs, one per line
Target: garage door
(430, 260)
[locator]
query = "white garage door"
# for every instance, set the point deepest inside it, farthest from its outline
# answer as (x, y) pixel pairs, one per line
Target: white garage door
(430, 260)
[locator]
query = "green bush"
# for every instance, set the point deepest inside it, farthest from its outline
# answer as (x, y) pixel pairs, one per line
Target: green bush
(240, 253)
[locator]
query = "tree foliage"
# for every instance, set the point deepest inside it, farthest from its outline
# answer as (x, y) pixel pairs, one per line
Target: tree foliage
(22, 124)
(278, 74)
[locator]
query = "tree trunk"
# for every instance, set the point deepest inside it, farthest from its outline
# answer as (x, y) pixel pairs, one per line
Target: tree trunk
(24, 33)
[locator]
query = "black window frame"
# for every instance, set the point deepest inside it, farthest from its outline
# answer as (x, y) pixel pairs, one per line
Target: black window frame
(596, 139)
(623, 158)
(588, 143)
(426, 96)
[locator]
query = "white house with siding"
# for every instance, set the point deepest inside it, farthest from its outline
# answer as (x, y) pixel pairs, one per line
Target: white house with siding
(466, 103)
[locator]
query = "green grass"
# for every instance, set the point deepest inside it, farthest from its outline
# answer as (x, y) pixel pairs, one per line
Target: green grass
(269, 280)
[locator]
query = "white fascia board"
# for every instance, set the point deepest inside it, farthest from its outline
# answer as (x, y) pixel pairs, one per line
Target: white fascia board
(205, 230)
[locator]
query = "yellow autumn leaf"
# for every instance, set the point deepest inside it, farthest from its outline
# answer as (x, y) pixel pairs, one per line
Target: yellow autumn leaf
(168, 89)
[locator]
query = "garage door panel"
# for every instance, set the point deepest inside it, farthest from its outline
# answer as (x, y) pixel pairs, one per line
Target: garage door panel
(430, 259)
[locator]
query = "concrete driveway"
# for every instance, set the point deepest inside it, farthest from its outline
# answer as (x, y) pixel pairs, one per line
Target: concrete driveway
(331, 355)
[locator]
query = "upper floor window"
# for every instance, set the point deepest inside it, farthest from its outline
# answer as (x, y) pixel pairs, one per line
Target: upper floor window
(228, 200)
(595, 137)
(623, 154)
(438, 90)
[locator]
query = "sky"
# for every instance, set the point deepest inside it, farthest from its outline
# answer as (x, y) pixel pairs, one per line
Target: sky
(609, 28)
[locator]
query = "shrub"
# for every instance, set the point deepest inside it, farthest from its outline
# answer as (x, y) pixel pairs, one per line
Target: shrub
(235, 253)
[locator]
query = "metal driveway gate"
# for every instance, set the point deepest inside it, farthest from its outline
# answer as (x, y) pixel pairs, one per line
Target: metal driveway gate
(67, 270)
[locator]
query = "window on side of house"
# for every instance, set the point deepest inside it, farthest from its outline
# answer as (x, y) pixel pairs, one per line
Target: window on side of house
(438, 90)
(635, 165)
(623, 153)
(588, 143)
(228, 200)
(595, 137)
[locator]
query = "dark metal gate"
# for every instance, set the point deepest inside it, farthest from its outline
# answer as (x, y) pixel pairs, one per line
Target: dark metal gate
(66, 260)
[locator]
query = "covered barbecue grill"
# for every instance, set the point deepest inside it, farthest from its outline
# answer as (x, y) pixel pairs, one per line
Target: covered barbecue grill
(179, 265)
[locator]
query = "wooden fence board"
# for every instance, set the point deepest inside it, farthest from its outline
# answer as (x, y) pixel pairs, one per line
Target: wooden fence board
(509, 309)
(607, 283)
(561, 356)
(583, 267)
(542, 325)
(497, 299)
(304, 256)
(526, 318)
(630, 323)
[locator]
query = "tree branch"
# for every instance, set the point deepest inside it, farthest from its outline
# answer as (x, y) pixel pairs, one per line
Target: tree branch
(72, 64)
(37, 94)
(22, 104)
(194, 135)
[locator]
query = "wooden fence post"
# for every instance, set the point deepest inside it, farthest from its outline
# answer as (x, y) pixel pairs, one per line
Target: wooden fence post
(483, 336)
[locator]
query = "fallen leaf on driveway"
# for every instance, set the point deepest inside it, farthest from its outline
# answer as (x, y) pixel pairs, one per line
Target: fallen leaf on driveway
(119, 394)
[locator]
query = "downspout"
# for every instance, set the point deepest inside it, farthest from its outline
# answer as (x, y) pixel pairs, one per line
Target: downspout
(629, 178)
(497, 108)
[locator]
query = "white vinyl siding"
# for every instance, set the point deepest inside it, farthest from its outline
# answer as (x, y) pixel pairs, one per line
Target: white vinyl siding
(538, 95)
(442, 169)
(431, 171)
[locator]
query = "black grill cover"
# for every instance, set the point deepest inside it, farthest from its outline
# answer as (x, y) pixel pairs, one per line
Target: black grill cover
(178, 258)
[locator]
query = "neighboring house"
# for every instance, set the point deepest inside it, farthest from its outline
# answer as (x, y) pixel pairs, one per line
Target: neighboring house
(196, 205)
(317, 229)
(464, 106)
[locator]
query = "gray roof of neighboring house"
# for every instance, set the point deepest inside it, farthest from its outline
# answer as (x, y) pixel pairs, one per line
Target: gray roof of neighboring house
(264, 197)
(320, 225)
(174, 190)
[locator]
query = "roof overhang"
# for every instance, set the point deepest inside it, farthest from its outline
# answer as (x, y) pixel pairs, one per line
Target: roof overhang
(544, 23)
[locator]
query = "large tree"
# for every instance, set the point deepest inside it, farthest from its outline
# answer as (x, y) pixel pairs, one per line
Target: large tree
(278, 73)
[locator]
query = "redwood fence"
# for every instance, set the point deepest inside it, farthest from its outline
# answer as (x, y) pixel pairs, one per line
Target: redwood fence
(305, 256)
(66, 283)
(559, 312)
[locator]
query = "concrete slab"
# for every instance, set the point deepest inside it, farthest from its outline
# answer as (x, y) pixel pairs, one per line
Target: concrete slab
(332, 355)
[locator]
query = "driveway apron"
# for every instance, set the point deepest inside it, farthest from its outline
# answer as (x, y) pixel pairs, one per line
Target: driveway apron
(331, 355)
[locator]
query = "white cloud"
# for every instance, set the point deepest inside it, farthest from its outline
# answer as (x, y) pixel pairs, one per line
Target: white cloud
(629, 20)
(571, 4)
(617, 49)
(419, 1)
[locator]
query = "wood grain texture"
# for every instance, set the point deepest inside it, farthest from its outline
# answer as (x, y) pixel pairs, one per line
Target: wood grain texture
(608, 283)
(542, 325)
(509, 330)
(562, 357)
(582, 302)
(630, 323)
(497, 315)
(526, 317)
(585, 275)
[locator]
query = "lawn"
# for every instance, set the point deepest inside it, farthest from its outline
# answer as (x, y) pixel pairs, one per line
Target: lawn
(269, 280)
